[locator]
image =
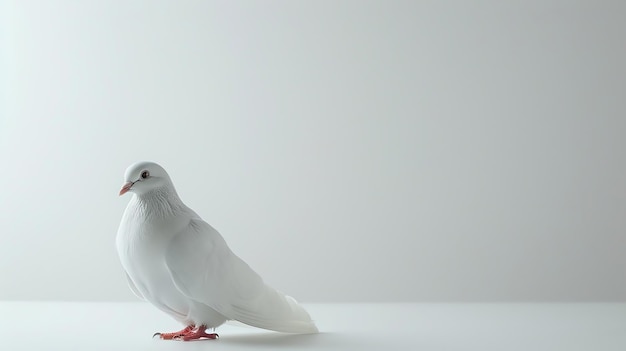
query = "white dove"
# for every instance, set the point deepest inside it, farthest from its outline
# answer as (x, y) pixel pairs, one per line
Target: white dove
(181, 265)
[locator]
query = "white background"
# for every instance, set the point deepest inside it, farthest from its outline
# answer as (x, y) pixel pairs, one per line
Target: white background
(347, 150)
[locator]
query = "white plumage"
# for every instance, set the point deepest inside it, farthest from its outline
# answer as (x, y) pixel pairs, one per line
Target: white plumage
(180, 264)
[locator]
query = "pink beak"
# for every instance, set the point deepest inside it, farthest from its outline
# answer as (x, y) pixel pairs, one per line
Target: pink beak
(126, 188)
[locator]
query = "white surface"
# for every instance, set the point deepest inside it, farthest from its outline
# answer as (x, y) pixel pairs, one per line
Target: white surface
(478, 144)
(129, 326)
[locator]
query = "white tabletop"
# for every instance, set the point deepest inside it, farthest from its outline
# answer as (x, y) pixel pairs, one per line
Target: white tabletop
(129, 326)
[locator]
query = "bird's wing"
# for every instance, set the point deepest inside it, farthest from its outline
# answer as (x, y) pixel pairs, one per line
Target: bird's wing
(205, 269)
(133, 287)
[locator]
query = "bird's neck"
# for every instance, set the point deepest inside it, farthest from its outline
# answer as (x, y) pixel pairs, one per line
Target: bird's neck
(160, 202)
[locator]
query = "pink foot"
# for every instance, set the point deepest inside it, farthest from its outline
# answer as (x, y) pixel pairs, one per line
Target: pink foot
(174, 335)
(198, 333)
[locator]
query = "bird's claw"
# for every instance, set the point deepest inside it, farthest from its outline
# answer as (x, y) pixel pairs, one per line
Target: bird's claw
(197, 335)
(155, 334)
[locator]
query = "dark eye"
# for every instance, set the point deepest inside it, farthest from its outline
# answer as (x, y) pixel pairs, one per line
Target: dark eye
(145, 174)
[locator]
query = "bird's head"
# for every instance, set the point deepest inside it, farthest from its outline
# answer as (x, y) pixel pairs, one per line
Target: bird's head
(143, 177)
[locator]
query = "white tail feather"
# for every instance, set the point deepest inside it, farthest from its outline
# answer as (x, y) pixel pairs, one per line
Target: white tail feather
(276, 311)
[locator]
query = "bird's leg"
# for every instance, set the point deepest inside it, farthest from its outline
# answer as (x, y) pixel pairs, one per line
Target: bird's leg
(197, 334)
(169, 336)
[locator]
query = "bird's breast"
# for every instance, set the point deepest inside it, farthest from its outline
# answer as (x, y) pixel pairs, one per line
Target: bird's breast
(142, 242)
